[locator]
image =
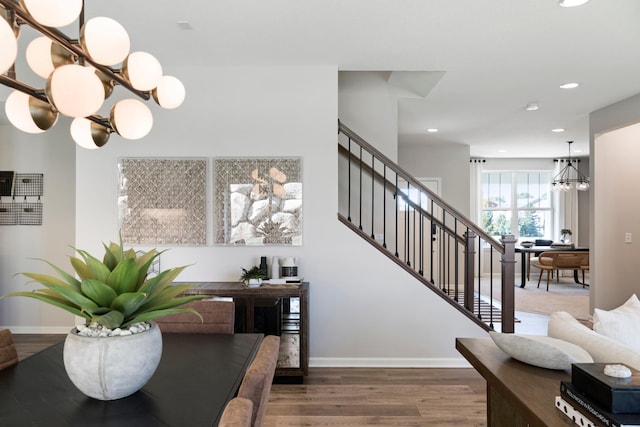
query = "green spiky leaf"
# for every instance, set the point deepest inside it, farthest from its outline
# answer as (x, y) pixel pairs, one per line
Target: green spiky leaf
(98, 291)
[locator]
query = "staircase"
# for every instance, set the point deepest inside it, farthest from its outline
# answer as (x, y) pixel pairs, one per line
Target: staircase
(424, 235)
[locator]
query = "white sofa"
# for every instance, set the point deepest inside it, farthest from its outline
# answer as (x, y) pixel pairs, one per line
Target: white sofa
(602, 349)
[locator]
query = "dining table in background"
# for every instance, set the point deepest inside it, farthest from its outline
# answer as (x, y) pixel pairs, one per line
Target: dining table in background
(197, 375)
(526, 255)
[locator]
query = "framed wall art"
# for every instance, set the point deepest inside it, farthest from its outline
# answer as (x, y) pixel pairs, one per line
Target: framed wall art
(258, 201)
(163, 201)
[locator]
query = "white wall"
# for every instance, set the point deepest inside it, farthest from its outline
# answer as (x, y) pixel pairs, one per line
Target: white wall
(615, 202)
(52, 155)
(368, 105)
(450, 162)
(364, 310)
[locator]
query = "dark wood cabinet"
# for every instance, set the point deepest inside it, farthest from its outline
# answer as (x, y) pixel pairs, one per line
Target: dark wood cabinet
(272, 310)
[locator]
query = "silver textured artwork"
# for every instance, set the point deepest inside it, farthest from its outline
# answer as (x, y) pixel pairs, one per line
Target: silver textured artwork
(258, 201)
(163, 201)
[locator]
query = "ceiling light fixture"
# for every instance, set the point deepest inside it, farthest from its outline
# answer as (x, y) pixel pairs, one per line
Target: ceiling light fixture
(557, 130)
(569, 85)
(570, 176)
(79, 74)
(532, 106)
(432, 130)
(572, 3)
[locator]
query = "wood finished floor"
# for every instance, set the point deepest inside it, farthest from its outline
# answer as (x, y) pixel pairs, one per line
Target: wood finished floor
(360, 396)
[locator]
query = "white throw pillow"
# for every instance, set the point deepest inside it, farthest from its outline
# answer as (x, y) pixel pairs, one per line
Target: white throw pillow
(603, 349)
(542, 351)
(620, 324)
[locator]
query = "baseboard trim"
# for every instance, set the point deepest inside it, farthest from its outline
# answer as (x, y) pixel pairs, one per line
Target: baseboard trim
(345, 362)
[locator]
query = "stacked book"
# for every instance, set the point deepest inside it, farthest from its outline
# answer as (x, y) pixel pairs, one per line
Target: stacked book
(593, 399)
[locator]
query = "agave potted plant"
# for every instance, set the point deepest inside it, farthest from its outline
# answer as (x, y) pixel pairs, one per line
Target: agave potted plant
(118, 349)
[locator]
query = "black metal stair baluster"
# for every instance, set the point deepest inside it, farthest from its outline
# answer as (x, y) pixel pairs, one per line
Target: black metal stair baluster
(349, 186)
(384, 206)
(421, 238)
(479, 274)
(433, 239)
(396, 195)
(406, 228)
(443, 245)
(455, 233)
(360, 192)
(491, 288)
(413, 234)
(373, 180)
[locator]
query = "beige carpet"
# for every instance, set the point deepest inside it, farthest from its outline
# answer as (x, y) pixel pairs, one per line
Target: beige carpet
(564, 296)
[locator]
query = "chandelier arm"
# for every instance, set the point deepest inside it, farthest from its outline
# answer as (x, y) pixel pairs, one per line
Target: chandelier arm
(102, 122)
(69, 44)
(23, 87)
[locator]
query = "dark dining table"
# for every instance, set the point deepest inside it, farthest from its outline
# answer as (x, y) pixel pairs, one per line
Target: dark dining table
(526, 254)
(198, 374)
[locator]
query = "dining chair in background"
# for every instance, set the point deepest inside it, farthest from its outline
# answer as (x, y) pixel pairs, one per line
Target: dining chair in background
(218, 317)
(256, 383)
(237, 413)
(8, 353)
(534, 260)
(558, 260)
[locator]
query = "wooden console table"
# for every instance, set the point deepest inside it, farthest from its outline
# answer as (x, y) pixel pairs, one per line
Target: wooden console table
(517, 394)
(293, 325)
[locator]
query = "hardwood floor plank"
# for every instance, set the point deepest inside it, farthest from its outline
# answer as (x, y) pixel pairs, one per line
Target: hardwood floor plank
(380, 397)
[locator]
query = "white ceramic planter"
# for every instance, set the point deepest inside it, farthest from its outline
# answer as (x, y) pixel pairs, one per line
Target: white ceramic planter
(110, 368)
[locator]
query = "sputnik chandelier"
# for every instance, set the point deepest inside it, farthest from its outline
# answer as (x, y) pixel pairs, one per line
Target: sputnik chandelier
(570, 176)
(79, 74)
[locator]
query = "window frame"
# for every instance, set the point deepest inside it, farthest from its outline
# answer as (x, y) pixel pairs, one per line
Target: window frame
(513, 208)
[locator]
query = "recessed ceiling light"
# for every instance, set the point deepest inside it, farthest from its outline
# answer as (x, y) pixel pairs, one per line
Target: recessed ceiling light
(569, 85)
(185, 25)
(571, 3)
(432, 130)
(502, 151)
(557, 130)
(532, 106)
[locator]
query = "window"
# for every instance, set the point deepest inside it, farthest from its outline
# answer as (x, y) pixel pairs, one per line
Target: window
(518, 203)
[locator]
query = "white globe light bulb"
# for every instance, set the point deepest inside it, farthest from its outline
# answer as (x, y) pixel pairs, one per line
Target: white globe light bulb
(169, 93)
(38, 56)
(21, 115)
(106, 41)
(131, 118)
(53, 13)
(87, 135)
(9, 46)
(142, 70)
(75, 90)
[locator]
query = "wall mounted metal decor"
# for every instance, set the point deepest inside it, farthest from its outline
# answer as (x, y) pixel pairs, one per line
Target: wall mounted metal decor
(258, 201)
(22, 192)
(163, 201)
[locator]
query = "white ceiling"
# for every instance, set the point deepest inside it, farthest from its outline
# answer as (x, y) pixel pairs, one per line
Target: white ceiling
(480, 61)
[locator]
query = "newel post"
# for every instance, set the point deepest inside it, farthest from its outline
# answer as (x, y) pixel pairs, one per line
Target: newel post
(469, 268)
(508, 262)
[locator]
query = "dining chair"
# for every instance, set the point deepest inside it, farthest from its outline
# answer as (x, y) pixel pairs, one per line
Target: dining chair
(256, 383)
(8, 353)
(237, 413)
(534, 260)
(558, 260)
(218, 317)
